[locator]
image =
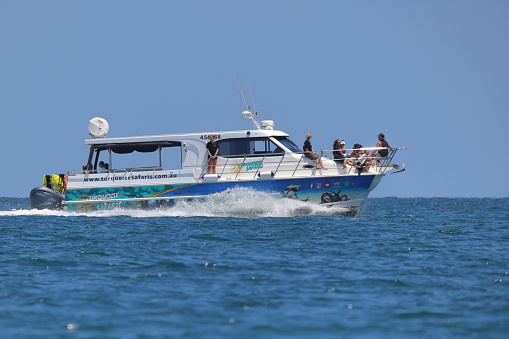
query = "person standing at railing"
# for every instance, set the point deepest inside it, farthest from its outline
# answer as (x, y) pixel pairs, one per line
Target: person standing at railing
(213, 151)
(382, 143)
(310, 154)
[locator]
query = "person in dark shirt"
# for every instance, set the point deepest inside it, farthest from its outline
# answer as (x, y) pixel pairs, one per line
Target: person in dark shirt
(213, 151)
(310, 154)
(382, 143)
(338, 151)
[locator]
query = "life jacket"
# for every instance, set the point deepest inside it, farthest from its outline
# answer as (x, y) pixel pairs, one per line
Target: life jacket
(57, 182)
(46, 180)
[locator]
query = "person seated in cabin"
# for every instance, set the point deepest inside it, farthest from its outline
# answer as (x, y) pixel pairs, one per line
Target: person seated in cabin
(87, 168)
(381, 143)
(358, 159)
(339, 151)
(212, 151)
(310, 154)
(103, 167)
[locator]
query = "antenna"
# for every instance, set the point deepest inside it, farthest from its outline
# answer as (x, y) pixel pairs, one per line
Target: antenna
(240, 89)
(247, 114)
(251, 93)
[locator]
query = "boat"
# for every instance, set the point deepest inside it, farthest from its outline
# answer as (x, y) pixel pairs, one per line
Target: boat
(157, 171)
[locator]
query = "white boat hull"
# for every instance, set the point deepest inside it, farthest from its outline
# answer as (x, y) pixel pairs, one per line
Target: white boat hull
(346, 191)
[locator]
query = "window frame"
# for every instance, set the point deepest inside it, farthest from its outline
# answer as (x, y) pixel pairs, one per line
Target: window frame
(248, 144)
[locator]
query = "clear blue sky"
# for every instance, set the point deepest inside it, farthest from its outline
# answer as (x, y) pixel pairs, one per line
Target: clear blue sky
(432, 75)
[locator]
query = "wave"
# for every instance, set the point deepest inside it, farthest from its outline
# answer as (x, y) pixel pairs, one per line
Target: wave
(237, 202)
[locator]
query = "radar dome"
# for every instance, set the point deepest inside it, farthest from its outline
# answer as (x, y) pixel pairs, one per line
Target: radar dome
(98, 127)
(267, 124)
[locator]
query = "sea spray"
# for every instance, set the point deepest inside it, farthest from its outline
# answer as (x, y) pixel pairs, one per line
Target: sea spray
(236, 202)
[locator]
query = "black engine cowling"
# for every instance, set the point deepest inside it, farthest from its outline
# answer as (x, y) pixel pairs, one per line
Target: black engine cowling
(45, 198)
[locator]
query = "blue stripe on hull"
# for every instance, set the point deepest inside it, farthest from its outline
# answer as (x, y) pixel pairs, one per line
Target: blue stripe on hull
(317, 190)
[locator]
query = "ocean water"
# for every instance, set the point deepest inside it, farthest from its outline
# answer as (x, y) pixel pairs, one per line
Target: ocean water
(252, 266)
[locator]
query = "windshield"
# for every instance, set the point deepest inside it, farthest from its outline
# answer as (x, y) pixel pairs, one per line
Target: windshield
(288, 144)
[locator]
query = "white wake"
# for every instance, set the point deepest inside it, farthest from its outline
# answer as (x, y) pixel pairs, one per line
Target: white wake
(237, 202)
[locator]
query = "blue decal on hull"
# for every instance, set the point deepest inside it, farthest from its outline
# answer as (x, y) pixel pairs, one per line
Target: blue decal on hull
(316, 190)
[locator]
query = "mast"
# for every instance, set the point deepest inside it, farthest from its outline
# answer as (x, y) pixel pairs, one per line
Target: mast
(247, 114)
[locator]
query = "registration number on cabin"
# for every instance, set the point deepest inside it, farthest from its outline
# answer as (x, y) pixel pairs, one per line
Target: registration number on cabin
(206, 136)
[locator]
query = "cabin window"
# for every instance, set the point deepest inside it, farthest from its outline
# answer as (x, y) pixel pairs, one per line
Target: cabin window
(288, 144)
(247, 146)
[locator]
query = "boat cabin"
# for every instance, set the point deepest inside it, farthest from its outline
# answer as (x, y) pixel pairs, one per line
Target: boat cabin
(185, 151)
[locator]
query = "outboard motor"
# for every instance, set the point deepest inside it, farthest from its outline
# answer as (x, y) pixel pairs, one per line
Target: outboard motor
(45, 198)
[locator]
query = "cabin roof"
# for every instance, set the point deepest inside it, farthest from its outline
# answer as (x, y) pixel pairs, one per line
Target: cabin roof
(168, 138)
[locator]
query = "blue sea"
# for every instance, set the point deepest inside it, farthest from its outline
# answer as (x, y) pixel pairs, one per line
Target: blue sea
(257, 267)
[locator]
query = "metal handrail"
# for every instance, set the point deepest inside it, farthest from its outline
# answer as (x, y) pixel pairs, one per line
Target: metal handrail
(377, 163)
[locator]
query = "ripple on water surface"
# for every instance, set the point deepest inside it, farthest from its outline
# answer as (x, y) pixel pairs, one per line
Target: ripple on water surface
(405, 267)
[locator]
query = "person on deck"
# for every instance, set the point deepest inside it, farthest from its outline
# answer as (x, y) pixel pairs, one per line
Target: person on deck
(339, 151)
(87, 168)
(103, 168)
(310, 154)
(382, 143)
(358, 159)
(213, 151)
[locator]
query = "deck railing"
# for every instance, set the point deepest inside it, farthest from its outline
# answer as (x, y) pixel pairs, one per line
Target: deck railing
(374, 164)
(279, 164)
(288, 164)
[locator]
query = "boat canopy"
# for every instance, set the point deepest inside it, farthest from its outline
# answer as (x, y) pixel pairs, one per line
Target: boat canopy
(138, 147)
